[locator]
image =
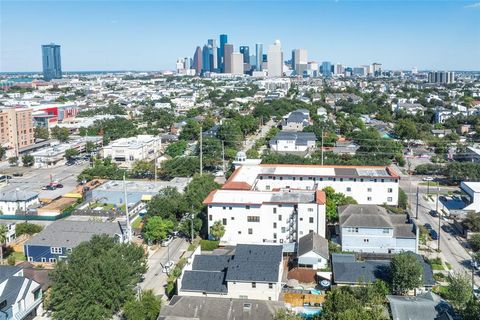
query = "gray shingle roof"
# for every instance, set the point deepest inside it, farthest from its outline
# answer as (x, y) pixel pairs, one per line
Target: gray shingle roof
(204, 281)
(211, 262)
(69, 234)
(420, 307)
(13, 195)
(300, 138)
(313, 242)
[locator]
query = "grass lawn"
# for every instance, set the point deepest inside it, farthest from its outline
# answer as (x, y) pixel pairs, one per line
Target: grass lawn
(449, 266)
(437, 266)
(19, 256)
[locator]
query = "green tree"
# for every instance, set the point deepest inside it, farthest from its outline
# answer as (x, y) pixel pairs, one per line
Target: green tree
(143, 169)
(334, 200)
(190, 131)
(472, 222)
(472, 310)
(406, 272)
(217, 230)
(168, 204)
(90, 146)
(61, 134)
(406, 129)
(71, 153)
(3, 240)
(176, 149)
(157, 229)
(459, 290)
(96, 279)
(180, 167)
(102, 169)
(13, 161)
(147, 308)
(2, 152)
(27, 228)
(41, 133)
(285, 314)
(198, 189)
(28, 160)
(475, 242)
(402, 199)
(212, 152)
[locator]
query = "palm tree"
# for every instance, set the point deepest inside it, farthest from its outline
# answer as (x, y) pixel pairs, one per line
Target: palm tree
(3, 240)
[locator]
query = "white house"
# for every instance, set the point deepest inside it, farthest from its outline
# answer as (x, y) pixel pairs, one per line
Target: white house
(14, 201)
(312, 251)
(370, 228)
(280, 216)
(251, 272)
(293, 142)
(366, 184)
(10, 236)
(126, 151)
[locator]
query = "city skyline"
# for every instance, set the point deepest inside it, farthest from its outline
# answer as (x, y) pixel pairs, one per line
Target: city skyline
(398, 34)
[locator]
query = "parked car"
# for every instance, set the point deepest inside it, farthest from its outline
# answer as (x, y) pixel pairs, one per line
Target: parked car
(433, 213)
(427, 179)
(476, 292)
(447, 228)
(167, 241)
(18, 174)
(475, 264)
(168, 266)
(428, 226)
(433, 234)
(48, 187)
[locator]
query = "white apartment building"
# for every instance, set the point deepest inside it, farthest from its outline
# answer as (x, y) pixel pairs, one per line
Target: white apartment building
(370, 228)
(280, 216)
(251, 272)
(366, 184)
(126, 151)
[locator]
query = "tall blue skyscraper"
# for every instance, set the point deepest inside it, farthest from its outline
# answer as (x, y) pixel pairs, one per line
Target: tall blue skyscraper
(259, 55)
(206, 59)
(214, 52)
(52, 64)
(245, 50)
(327, 69)
(220, 54)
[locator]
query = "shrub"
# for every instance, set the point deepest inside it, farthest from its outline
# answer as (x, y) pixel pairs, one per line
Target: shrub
(209, 245)
(11, 260)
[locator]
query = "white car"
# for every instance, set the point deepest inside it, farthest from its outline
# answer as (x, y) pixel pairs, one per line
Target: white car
(168, 266)
(427, 179)
(167, 241)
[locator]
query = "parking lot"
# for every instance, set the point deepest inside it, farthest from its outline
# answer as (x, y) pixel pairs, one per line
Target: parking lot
(34, 179)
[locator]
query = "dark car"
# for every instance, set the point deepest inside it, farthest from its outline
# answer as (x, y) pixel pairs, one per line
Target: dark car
(428, 226)
(18, 174)
(447, 228)
(433, 235)
(433, 213)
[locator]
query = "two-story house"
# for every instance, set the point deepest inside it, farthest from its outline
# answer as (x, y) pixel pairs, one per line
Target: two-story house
(291, 142)
(20, 297)
(370, 228)
(58, 239)
(251, 272)
(296, 120)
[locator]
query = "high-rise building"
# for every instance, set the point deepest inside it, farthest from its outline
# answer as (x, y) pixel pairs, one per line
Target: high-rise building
(299, 61)
(214, 53)
(245, 50)
(206, 58)
(17, 128)
(275, 60)
(220, 55)
(326, 69)
(376, 69)
(441, 77)
(339, 69)
(227, 57)
(237, 59)
(258, 56)
(52, 64)
(197, 61)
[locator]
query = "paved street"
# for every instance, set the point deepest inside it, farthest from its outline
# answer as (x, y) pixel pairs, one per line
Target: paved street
(452, 245)
(155, 279)
(250, 141)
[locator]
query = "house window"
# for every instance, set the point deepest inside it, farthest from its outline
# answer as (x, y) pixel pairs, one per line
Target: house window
(274, 225)
(310, 231)
(253, 218)
(310, 209)
(274, 236)
(44, 259)
(52, 260)
(250, 231)
(267, 187)
(224, 208)
(30, 259)
(341, 179)
(270, 286)
(383, 180)
(310, 219)
(247, 207)
(229, 208)
(369, 199)
(386, 231)
(232, 218)
(56, 250)
(369, 189)
(254, 284)
(210, 206)
(349, 189)
(389, 199)
(301, 219)
(210, 217)
(283, 229)
(224, 221)
(279, 217)
(390, 190)
(274, 210)
(239, 232)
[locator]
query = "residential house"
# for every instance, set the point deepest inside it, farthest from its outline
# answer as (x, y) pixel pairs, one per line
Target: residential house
(423, 306)
(350, 271)
(370, 228)
(58, 239)
(321, 112)
(212, 132)
(440, 133)
(251, 272)
(410, 108)
(10, 235)
(293, 142)
(296, 120)
(20, 297)
(312, 251)
(14, 201)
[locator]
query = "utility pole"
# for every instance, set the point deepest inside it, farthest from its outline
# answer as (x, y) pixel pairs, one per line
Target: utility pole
(438, 213)
(201, 151)
(155, 168)
(322, 146)
(223, 156)
(191, 218)
(416, 211)
(129, 230)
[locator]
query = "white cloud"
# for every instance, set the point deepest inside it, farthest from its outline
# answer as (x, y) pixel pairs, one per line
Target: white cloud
(473, 5)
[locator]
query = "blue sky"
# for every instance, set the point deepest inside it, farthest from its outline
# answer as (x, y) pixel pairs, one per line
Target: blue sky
(150, 35)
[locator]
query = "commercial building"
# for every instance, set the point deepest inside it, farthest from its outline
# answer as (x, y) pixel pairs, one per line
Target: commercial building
(227, 58)
(251, 272)
(299, 61)
(126, 151)
(275, 60)
(16, 129)
(258, 56)
(366, 184)
(326, 69)
(370, 228)
(20, 297)
(113, 192)
(237, 63)
(52, 64)
(58, 239)
(279, 216)
(472, 192)
(213, 55)
(221, 52)
(444, 77)
(198, 61)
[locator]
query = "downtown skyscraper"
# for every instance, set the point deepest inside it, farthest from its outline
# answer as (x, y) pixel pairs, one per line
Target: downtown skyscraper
(52, 64)
(221, 53)
(258, 56)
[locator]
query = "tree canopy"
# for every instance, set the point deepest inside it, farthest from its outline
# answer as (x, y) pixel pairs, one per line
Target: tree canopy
(406, 272)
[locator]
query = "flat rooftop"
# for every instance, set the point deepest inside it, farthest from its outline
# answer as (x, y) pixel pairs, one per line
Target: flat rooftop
(245, 197)
(143, 186)
(474, 186)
